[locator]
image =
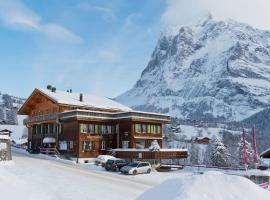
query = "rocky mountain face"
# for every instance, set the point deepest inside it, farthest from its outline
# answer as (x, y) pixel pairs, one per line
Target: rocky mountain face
(9, 106)
(215, 71)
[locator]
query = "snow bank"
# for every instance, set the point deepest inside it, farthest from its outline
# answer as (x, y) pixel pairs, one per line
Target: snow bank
(208, 186)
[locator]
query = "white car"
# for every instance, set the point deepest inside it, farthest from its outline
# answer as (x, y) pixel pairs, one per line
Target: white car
(102, 159)
(136, 168)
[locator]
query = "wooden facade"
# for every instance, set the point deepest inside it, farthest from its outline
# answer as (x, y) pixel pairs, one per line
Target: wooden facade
(82, 132)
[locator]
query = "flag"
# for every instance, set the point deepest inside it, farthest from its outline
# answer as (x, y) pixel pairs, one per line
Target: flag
(245, 148)
(255, 156)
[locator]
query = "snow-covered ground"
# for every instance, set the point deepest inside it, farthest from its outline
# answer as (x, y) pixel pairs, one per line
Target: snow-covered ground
(32, 178)
(207, 186)
(45, 178)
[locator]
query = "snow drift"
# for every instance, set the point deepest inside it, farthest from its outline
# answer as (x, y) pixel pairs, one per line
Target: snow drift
(209, 186)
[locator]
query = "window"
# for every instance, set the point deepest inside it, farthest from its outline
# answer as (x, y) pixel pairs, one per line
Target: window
(83, 128)
(70, 145)
(138, 128)
(148, 128)
(96, 128)
(34, 129)
(140, 144)
(158, 129)
(50, 128)
(103, 145)
(91, 128)
(54, 128)
(87, 146)
(103, 129)
(125, 144)
(155, 129)
(109, 129)
(144, 128)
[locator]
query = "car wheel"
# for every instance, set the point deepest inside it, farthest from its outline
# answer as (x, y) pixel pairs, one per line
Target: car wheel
(107, 169)
(148, 171)
(134, 172)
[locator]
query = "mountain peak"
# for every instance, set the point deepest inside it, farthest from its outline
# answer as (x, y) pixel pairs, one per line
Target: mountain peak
(213, 70)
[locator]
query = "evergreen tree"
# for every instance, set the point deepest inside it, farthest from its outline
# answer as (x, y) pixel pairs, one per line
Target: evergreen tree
(240, 152)
(220, 155)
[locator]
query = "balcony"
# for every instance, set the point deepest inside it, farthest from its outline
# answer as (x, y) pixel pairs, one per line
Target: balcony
(40, 118)
(133, 115)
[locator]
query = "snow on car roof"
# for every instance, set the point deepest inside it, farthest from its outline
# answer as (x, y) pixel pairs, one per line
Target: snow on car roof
(63, 97)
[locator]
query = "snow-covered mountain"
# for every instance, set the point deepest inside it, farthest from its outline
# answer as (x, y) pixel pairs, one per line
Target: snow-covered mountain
(214, 70)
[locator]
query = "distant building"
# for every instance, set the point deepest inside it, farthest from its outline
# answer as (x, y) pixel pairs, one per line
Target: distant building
(5, 132)
(5, 147)
(82, 127)
(202, 140)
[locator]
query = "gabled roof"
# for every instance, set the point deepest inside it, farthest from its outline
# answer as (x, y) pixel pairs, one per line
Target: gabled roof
(265, 154)
(73, 99)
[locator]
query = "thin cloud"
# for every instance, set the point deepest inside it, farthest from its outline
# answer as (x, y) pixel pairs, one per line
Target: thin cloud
(16, 15)
(253, 12)
(107, 13)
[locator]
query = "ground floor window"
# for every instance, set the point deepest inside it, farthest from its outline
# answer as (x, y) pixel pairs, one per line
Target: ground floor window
(103, 145)
(87, 146)
(70, 145)
(140, 144)
(66, 145)
(125, 144)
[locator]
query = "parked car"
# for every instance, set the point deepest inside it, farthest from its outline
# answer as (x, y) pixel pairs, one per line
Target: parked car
(115, 164)
(102, 159)
(136, 168)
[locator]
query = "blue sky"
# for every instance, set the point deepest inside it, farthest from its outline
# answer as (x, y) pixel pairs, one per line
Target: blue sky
(92, 46)
(97, 46)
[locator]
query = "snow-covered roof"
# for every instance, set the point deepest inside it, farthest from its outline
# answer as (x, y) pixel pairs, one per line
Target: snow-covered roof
(4, 137)
(265, 152)
(21, 141)
(63, 97)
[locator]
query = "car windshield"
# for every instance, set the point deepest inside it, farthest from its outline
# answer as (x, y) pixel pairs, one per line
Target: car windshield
(133, 164)
(110, 161)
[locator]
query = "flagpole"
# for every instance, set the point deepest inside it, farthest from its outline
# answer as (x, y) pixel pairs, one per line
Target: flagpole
(255, 156)
(245, 149)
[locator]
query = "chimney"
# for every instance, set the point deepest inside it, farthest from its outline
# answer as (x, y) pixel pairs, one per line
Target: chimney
(49, 87)
(81, 97)
(53, 89)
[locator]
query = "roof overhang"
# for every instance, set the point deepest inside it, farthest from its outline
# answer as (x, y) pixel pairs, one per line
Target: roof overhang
(23, 109)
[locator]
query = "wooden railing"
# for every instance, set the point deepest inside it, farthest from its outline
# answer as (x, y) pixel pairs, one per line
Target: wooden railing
(40, 118)
(49, 151)
(114, 116)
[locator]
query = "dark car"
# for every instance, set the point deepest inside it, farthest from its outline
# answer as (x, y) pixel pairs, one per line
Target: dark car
(115, 164)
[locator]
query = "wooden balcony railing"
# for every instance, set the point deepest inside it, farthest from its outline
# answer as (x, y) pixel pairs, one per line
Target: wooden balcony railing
(114, 116)
(40, 118)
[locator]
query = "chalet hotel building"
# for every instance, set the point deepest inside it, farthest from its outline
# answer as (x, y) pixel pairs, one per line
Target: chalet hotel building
(82, 126)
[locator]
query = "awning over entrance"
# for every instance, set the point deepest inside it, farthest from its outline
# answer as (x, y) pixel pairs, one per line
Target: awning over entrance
(47, 140)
